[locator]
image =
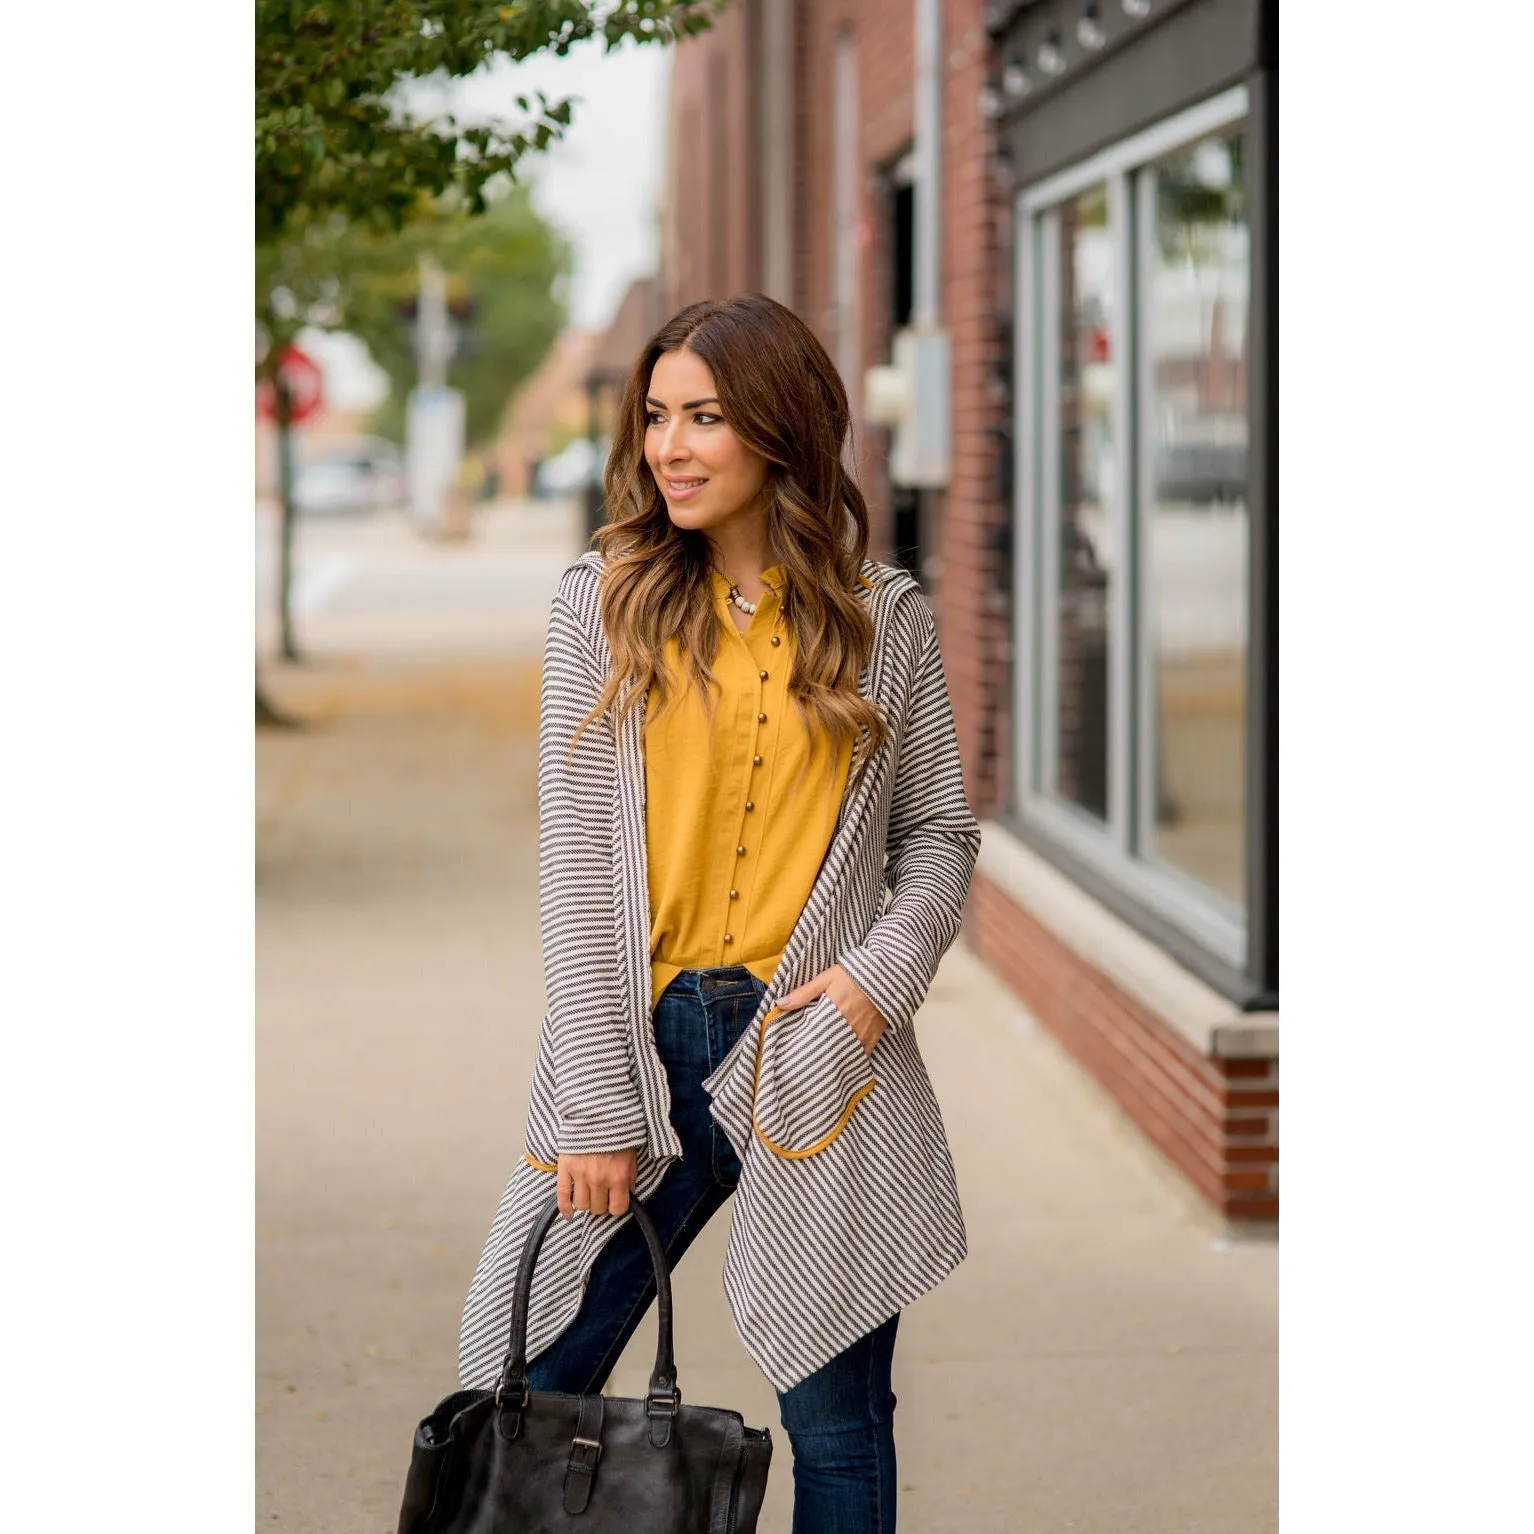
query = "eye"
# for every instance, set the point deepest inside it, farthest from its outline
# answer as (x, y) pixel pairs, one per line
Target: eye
(652, 418)
(707, 418)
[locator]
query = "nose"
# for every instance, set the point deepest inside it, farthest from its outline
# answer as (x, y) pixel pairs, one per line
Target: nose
(672, 445)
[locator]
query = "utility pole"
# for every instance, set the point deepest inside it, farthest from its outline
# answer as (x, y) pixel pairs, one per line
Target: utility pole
(434, 338)
(435, 413)
(283, 401)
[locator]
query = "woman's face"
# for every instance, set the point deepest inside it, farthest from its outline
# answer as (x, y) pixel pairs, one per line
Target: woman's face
(705, 472)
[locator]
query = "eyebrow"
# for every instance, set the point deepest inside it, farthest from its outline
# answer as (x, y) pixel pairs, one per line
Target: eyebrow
(691, 404)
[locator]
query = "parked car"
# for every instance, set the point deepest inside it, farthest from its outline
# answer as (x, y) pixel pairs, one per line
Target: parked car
(368, 475)
(1205, 463)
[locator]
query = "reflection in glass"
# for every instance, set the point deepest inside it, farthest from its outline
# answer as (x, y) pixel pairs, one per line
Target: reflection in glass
(1087, 498)
(1193, 300)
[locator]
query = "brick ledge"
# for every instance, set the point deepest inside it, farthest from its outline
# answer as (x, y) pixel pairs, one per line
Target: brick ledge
(1137, 966)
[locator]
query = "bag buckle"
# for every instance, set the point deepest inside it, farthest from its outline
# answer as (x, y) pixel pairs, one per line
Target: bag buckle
(663, 1405)
(500, 1395)
(584, 1454)
(581, 1471)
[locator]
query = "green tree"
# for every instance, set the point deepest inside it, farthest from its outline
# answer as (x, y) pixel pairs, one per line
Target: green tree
(504, 264)
(331, 131)
(337, 148)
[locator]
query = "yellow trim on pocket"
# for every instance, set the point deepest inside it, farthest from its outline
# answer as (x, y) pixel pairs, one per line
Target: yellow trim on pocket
(788, 1153)
(542, 1166)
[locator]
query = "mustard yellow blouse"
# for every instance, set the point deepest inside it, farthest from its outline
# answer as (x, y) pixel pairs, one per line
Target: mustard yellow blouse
(733, 846)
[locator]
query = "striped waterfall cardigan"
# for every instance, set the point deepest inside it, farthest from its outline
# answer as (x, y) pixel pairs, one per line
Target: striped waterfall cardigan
(847, 1207)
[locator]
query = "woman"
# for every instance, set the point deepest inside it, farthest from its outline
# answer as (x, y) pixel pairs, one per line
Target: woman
(745, 740)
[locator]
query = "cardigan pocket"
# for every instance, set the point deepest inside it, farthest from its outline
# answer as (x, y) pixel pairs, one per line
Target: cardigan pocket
(811, 1073)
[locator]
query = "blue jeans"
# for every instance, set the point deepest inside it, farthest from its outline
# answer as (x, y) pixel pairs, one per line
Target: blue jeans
(840, 1419)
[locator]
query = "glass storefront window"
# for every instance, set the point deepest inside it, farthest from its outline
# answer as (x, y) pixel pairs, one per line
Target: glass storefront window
(1192, 287)
(1086, 499)
(1134, 278)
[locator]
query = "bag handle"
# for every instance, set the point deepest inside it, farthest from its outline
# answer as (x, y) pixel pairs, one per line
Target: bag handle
(663, 1397)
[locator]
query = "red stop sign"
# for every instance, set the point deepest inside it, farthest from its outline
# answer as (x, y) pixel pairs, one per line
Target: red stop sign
(300, 375)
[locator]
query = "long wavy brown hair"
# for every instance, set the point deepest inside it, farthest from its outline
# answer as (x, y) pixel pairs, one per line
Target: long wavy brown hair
(780, 393)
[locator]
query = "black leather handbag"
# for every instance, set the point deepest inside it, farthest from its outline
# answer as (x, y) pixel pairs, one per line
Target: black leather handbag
(517, 1461)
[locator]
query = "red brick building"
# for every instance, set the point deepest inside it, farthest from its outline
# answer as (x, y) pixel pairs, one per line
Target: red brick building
(1059, 220)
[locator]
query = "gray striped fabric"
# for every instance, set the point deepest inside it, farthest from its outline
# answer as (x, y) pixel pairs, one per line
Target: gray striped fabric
(847, 1207)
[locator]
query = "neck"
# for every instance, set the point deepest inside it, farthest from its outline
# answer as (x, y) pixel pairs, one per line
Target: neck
(742, 559)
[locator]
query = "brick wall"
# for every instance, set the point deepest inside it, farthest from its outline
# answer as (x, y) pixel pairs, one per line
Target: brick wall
(882, 35)
(712, 194)
(711, 191)
(974, 598)
(1215, 1120)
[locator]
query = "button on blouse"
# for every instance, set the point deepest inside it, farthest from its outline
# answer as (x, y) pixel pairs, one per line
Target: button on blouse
(733, 846)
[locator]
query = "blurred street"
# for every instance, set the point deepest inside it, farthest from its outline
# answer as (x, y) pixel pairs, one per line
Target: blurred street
(1105, 1361)
(369, 585)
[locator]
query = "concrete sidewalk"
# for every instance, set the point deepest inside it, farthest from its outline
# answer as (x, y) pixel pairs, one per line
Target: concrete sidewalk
(1104, 1361)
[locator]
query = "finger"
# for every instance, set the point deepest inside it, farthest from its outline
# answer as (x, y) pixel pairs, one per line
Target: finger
(564, 1188)
(580, 1192)
(618, 1200)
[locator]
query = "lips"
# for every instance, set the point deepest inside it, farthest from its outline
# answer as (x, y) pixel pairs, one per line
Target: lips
(681, 489)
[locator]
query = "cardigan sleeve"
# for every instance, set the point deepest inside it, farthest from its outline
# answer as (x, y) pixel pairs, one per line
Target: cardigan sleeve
(932, 844)
(596, 1094)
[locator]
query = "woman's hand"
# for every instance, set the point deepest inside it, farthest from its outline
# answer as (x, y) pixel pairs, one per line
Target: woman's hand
(867, 1021)
(600, 1182)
